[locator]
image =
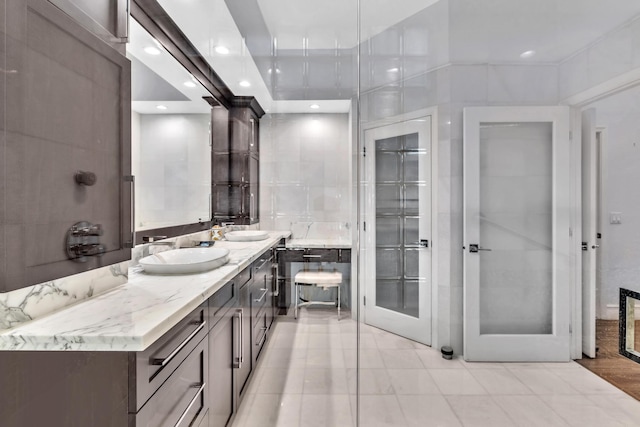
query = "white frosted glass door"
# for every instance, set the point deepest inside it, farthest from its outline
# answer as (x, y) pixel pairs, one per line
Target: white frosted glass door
(398, 234)
(516, 234)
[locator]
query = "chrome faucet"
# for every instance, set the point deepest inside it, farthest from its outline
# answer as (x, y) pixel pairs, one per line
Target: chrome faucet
(149, 242)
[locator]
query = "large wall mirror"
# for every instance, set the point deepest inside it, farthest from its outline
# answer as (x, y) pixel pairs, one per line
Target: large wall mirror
(171, 141)
(629, 324)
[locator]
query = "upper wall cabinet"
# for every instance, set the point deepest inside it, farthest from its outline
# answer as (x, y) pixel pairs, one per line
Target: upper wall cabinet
(64, 147)
(236, 162)
(107, 19)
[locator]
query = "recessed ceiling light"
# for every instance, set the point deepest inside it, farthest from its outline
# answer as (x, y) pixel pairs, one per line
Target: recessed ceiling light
(222, 50)
(314, 106)
(161, 107)
(393, 70)
(271, 70)
(189, 83)
(244, 83)
(527, 54)
(152, 50)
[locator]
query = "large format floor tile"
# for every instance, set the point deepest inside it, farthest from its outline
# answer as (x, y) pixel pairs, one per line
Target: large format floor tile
(308, 376)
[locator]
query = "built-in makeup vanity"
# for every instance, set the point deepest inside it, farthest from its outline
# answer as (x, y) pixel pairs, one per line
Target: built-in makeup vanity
(315, 246)
(157, 351)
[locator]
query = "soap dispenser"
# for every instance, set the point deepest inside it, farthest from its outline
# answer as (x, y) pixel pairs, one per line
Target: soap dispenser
(217, 233)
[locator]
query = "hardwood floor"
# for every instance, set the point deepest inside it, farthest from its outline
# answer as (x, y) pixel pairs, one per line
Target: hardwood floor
(609, 364)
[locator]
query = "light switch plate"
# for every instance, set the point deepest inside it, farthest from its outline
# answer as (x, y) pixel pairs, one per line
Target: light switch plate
(615, 217)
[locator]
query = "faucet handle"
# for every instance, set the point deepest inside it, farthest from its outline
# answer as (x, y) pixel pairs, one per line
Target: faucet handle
(87, 229)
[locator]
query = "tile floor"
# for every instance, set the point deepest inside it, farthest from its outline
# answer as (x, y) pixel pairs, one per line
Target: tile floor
(307, 377)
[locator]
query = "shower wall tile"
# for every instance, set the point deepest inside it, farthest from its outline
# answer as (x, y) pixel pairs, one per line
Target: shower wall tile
(522, 84)
(613, 55)
(574, 74)
(308, 176)
(635, 43)
(29, 303)
(469, 83)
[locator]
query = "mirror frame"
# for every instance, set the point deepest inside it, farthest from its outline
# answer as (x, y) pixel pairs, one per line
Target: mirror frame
(626, 342)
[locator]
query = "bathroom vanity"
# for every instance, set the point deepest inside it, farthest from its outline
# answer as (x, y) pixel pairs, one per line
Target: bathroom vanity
(158, 351)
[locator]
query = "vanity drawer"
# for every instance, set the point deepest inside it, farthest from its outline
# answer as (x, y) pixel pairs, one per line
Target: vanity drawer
(260, 331)
(221, 301)
(260, 288)
(244, 276)
(149, 369)
(182, 399)
(321, 255)
(313, 255)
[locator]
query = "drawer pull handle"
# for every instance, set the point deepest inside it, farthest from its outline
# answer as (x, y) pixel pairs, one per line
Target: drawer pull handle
(276, 276)
(264, 292)
(264, 337)
(166, 360)
(312, 256)
(193, 401)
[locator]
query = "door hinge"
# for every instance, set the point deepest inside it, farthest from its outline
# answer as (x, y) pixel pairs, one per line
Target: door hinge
(364, 151)
(570, 232)
(364, 300)
(364, 225)
(570, 136)
(570, 328)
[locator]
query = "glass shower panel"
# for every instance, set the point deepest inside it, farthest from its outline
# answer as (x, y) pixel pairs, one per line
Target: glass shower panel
(397, 219)
(516, 226)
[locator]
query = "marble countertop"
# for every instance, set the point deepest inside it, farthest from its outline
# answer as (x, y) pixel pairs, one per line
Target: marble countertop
(134, 315)
(336, 243)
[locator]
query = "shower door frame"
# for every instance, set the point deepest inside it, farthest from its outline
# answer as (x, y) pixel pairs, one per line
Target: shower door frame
(368, 212)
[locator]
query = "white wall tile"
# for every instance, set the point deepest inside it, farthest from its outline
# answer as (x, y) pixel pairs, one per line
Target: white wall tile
(308, 177)
(573, 75)
(610, 57)
(523, 85)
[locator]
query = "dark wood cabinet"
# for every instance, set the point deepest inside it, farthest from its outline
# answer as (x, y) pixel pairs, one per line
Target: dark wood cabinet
(196, 374)
(67, 103)
(222, 351)
(236, 162)
(243, 358)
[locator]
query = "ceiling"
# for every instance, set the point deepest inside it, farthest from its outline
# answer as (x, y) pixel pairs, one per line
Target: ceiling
(332, 23)
(294, 53)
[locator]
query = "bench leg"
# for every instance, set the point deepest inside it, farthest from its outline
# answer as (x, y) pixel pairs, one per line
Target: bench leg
(338, 303)
(295, 311)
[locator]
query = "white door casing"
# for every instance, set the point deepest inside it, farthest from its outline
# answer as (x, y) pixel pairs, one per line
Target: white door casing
(589, 231)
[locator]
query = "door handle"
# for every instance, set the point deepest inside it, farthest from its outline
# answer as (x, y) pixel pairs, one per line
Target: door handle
(595, 246)
(424, 243)
(474, 247)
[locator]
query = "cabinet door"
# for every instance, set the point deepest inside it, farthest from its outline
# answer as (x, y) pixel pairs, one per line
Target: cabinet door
(221, 354)
(245, 364)
(254, 190)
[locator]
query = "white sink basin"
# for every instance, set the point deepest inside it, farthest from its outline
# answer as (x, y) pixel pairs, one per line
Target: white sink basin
(246, 235)
(185, 261)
